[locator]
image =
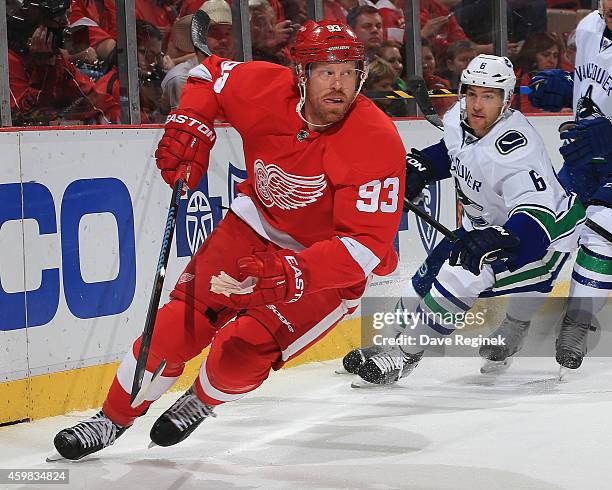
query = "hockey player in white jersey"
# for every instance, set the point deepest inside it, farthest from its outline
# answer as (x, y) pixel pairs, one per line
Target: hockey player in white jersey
(519, 223)
(587, 171)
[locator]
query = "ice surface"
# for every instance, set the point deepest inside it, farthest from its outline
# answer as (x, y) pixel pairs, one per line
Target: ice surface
(444, 427)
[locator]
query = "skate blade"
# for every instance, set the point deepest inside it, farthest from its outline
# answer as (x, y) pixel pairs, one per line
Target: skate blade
(341, 370)
(563, 372)
(144, 390)
(55, 456)
(361, 384)
(151, 445)
(494, 367)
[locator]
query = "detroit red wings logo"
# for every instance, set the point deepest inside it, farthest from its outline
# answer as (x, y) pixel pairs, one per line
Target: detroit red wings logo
(275, 187)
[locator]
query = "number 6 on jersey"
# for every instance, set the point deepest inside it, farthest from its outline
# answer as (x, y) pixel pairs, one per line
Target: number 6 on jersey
(370, 194)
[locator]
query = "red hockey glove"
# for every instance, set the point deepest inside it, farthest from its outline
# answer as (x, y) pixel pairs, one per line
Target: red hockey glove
(280, 278)
(185, 145)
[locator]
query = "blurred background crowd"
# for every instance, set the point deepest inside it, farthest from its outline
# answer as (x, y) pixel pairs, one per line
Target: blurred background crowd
(62, 54)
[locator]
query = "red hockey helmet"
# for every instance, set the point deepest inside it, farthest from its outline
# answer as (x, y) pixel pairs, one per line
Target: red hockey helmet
(326, 41)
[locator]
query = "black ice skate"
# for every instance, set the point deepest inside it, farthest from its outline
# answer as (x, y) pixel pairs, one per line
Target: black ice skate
(571, 344)
(180, 420)
(87, 437)
(388, 366)
(512, 333)
(355, 358)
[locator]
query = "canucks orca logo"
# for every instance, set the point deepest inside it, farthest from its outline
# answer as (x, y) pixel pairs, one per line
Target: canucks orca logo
(199, 213)
(586, 108)
(431, 204)
(510, 141)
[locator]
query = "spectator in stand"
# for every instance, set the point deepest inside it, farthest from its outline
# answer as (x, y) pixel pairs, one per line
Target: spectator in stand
(45, 88)
(268, 43)
(392, 14)
(389, 52)
(190, 6)
(381, 77)
(570, 53)
(540, 52)
(100, 18)
(152, 65)
(295, 11)
(219, 41)
(440, 27)
(455, 60)
(366, 22)
(433, 81)
(284, 28)
(160, 13)
(338, 9)
(103, 35)
(179, 47)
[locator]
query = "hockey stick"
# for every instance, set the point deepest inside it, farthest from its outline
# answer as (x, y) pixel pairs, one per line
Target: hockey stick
(138, 390)
(599, 230)
(489, 258)
(429, 219)
(418, 88)
(200, 22)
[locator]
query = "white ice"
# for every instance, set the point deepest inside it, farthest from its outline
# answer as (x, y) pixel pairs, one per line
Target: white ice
(445, 427)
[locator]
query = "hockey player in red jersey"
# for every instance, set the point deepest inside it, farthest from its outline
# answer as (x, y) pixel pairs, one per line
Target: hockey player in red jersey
(315, 217)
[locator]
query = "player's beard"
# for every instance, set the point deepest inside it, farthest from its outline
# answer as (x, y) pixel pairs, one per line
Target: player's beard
(323, 112)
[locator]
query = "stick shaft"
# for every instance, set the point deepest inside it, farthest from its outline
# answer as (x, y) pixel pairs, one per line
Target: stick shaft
(600, 230)
(160, 274)
(429, 220)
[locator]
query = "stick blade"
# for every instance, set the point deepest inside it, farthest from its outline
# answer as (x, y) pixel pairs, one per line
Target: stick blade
(200, 22)
(495, 367)
(140, 396)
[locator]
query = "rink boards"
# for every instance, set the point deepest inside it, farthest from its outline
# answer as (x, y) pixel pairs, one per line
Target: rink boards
(80, 229)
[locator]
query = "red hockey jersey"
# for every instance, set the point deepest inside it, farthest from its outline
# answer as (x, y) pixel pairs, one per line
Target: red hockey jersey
(333, 196)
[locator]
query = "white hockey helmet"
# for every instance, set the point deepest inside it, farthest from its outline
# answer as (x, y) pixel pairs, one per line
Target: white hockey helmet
(489, 71)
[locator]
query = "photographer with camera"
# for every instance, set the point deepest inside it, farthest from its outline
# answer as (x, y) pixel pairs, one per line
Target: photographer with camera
(152, 67)
(45, 87)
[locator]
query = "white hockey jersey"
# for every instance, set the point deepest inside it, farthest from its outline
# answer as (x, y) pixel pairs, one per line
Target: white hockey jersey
(508, 171)
(593, 73)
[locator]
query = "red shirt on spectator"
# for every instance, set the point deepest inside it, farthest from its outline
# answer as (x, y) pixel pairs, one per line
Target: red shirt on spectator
(334, 10)
(54, 88)
(189, 7)
(451, 32)
(106, 20)
(161, 17)
(393, 20)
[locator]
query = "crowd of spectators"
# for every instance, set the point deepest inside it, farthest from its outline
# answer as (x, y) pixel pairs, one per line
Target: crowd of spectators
(63, 53)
